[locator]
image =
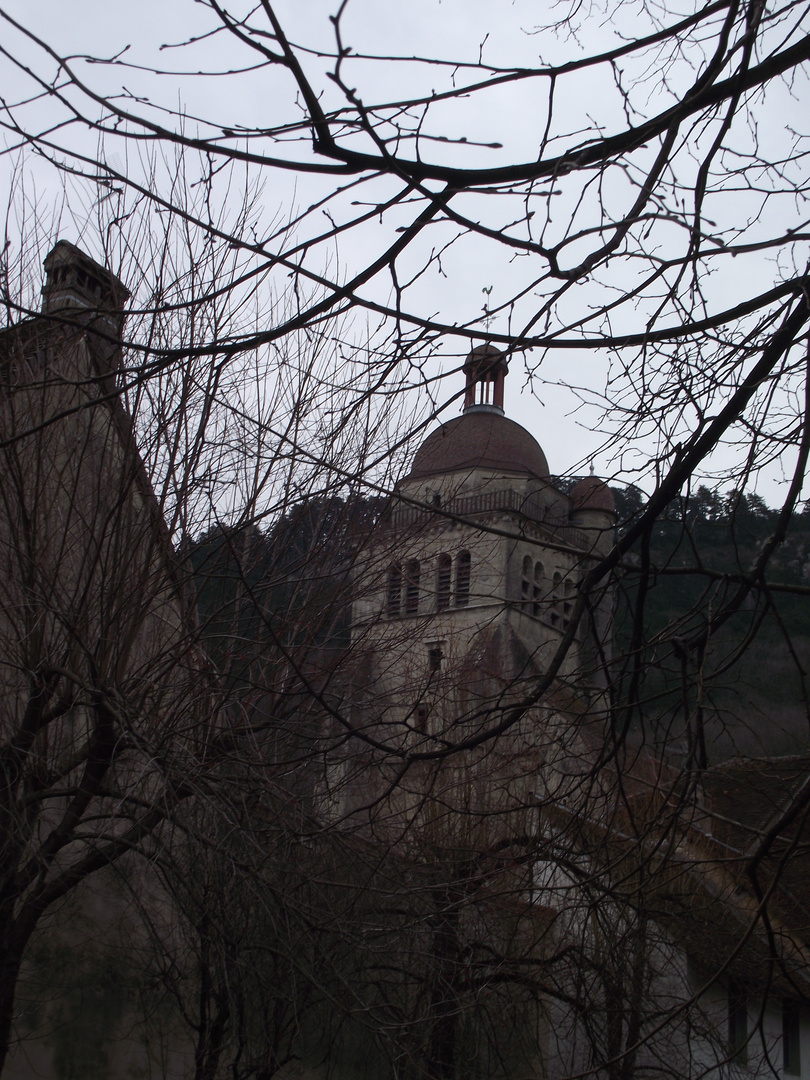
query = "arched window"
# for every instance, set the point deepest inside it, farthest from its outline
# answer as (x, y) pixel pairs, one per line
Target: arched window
(393, 592)
(463, 579)
(526, 583)
(412, 587)
(537, 590)
(444, 580)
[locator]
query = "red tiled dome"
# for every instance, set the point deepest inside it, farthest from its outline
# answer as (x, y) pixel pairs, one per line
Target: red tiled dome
(591, 493)
(480, 440)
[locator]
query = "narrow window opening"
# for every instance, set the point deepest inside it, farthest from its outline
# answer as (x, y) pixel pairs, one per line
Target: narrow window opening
(568, 602)
(484, 391)
(412, 587)
(791, 1042)
(421, 716)
(738, 1023)
(556, 599)
(435, 657)
(537, 590)
(444, 575)
(526, 583)
(463, 579)
(393, 591)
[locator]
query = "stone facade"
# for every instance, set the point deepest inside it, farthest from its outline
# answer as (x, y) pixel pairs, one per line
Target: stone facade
(102, 685)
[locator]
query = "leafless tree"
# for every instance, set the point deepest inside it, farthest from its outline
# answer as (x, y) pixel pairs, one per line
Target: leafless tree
(606, 223)
(611, 230)
(114, 713)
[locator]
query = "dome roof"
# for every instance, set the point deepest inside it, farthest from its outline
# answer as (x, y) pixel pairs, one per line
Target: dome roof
(591, 493)
(480, 440)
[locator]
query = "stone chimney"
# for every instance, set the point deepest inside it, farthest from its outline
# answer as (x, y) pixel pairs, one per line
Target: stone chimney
(75, 284)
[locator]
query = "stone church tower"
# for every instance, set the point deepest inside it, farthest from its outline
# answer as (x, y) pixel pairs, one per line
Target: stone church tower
(469, 587)
(484, 552)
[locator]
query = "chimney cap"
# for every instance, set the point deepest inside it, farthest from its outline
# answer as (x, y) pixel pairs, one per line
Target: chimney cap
(74, 280)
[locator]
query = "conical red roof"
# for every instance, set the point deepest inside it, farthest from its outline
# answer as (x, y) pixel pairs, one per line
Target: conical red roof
(591, 493)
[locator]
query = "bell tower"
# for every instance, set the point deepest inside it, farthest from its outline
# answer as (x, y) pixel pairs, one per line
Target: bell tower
(485, 370)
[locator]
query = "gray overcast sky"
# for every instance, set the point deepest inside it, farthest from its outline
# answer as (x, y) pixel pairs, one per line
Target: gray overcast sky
(503, 32)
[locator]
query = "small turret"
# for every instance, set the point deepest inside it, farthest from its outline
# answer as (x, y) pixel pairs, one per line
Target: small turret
(593, 510)
(485, 369)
